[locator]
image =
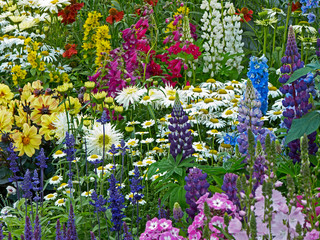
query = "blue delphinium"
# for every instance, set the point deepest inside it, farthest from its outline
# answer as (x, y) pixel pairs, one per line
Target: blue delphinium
(230, 139)
(70, 152)
(308, 4)
(12, 158)
(116, 201)
(311, 17)
(98, 202)
(258, 74)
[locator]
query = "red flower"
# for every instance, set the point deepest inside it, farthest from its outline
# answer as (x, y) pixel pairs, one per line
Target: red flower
(295, 6)
(115, 15)
(245, 14)
(70, 50)
(69, 13)
(153, 3)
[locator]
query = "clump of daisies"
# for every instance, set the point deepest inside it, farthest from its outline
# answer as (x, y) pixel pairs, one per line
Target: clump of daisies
(222, 34)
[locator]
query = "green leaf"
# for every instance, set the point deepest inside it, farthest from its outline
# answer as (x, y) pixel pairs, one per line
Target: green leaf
(179, 171)
(305, 125)
(314, 65)
(33, 71)
(299, 73)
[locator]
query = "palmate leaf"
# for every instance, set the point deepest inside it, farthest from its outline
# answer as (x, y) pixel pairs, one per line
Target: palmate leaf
(305, 125)
(299, 73)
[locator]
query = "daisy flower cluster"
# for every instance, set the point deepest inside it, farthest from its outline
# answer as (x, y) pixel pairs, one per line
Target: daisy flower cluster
(222, 34)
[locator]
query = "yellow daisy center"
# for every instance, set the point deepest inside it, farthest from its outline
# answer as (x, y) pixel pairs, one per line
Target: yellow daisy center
(222, 91)
(146, 98)
(171, 98)
(59, 152)
(211, 80)
(107, 140)
(229, 87)
(229, 112)
(277, 113)
(55, 178)
(198, 90)
(208, 100)
(50, 196)
(214, 120)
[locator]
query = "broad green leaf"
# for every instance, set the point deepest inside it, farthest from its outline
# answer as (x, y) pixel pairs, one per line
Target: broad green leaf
(299, 73)
(314, 65)
(305, 125)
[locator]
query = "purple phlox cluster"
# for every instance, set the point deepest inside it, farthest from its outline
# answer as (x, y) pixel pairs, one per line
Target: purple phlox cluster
(297, 94)
(308, 5)
(196, 186)
(28, 235)
(35, 185)
(72, 231)
(37, 229)
(70, 154)
(126, 234)
(229, 186)
(259, 76)
(126, 63)
(180, 137)
(135, 186)
(219, 204)
(249, 117)
(284, 221)
(313, 235)
(59, 234)
(27, 185)
(161, 229)
(116, 201)
(98, 202)
(12, 158)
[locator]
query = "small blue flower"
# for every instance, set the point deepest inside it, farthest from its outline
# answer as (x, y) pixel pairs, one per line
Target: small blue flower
(311, 17)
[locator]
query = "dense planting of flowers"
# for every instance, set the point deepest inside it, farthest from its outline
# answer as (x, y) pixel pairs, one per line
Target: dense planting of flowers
(158, 120)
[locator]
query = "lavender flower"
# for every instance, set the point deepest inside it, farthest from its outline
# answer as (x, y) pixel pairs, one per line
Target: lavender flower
(162, 213)
(27, 185)
(196, 186)
(10, 238)
(98, 202)
(28, 229)
(229, 186)
(104, 118)
(58, 231)
(43, 165)
(177, 212)
(116, 201)
(70, 152)
(135, 186)
(37, 229)
(127, 234)
(297, 95)
(12, 158)
(72, 231)
(180, 137)
(35, 186)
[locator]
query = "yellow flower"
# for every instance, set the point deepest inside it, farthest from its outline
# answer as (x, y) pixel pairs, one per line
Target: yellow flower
(42, 66)
(43, 105)
(5, 94)
(27, 141)
(6, 121)
(73, 105)
(47, 127)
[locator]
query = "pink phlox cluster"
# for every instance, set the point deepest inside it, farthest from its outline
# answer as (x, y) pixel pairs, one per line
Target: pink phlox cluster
(160, 229)
(219, 204)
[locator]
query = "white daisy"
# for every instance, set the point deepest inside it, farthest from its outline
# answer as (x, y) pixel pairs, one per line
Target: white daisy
(58, 154)
(129, 95)
(60, 202)
(132, 142)
(274, 114)
(51, 196)
(67, 191)
(229, 113)
(212, 84)
(95, 138)
(213, 132)
(148, 140)
(133, 123)
(273, 91)
(148, 123)
(94, 157)
(139, 164)
(87, 194)
(148, 161)
(62, 186)
(224, 94)
(11, 190)
(55, 180)
(215, 123)
(199, 147)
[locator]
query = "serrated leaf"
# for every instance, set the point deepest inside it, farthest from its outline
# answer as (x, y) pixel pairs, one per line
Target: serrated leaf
(305, 125)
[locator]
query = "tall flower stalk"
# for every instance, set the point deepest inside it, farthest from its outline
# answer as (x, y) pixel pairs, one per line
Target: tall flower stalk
(70, 152)
(43, 165)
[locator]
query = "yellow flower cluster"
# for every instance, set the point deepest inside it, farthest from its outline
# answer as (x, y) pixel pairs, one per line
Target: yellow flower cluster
(91, 23)
(182, 10)
(59, 78)
(96, 37)
(18, 73)
(34, 114)
(32, 59)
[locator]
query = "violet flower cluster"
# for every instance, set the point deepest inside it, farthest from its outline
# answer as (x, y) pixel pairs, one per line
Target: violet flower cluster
(70, 152)
(72, 231)
(229, 186)
(160, 229)
(196, 186)
(126, 64)
(180, 137)
(297, 95)
(259, 76)
(98, 202)
(218, 204)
